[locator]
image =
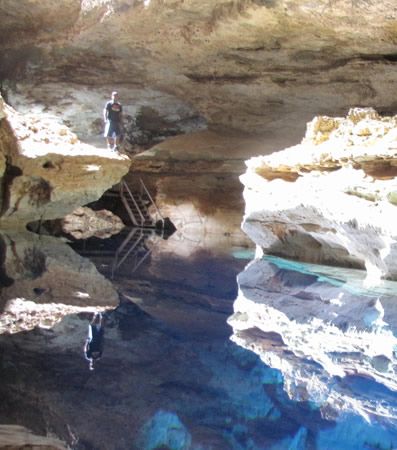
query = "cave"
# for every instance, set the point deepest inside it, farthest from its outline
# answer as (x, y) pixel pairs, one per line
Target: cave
(264, 133)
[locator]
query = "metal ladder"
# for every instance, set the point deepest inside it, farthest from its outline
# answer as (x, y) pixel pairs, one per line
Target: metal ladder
(137, 206)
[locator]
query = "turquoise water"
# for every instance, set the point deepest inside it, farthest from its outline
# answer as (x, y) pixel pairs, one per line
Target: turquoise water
(171, 377)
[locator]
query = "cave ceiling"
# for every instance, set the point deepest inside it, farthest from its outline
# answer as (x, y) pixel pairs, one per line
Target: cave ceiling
(255, 66)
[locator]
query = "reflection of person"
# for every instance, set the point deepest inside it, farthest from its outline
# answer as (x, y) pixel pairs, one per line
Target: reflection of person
(93, 346)
(113, 116)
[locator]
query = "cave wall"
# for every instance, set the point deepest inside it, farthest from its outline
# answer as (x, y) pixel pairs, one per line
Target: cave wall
(257, 66)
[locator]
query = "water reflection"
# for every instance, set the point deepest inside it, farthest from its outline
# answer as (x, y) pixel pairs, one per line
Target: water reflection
(170, 377)
(93, 347)
(333, 341)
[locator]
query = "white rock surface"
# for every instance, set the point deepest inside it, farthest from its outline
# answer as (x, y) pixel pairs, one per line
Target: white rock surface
(333, 341)
(331, 199)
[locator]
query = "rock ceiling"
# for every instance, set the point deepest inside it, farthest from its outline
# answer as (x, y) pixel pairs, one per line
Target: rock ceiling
(257, 66)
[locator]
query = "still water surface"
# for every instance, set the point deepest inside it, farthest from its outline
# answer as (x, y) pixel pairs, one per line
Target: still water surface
(170, 376)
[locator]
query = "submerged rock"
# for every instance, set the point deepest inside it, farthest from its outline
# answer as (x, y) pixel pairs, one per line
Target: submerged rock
(329, 200)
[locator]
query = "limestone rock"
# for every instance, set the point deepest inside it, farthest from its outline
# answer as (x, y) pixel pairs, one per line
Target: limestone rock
(83, 223)
(48, 172)
(24, 315)
(329, 200)
(324, 331)
(194, 179)
(80, 108)
(244, 64)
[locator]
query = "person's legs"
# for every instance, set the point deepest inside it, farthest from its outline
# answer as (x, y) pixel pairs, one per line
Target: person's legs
(117, 139)
(110, 142)
(116, 142)
(108, 134)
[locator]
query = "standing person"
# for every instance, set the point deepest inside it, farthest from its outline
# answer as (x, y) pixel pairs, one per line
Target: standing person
(93, 346)
(113, 116)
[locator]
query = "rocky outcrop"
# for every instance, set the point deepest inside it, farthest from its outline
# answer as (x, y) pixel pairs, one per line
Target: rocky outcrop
(333, 341)
(262, 68)
(250, 65)
(331, 199)
(47, 172)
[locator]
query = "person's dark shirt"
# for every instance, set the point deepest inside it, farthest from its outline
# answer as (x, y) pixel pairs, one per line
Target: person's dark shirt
(114, 110)
(95, 342)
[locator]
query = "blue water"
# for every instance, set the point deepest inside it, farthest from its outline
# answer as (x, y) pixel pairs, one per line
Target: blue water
(170, 376)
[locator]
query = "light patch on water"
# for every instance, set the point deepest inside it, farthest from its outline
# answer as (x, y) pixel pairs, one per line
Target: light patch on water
(354, 281)
(243, 253)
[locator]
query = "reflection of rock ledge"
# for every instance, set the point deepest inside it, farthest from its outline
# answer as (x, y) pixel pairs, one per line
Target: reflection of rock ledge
(47, 270)
(333, 346)
(15, 437)
(84, 223)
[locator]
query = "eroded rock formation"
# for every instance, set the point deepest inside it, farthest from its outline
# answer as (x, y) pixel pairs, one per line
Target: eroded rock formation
(259, 67)
(244, 64)
(331, 199)
(47, 172)
(332, 340)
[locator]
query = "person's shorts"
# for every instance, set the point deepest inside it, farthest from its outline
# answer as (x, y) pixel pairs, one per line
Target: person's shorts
(112, 129)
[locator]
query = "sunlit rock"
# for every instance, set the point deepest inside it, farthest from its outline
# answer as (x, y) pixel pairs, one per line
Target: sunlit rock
(150, 115)
(244, 64)
(48, 172)
(329, 200)
(84, 223)
(333, 341)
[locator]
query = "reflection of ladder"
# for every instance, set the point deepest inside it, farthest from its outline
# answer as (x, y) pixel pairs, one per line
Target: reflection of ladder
(137, 205)
(136, 252)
